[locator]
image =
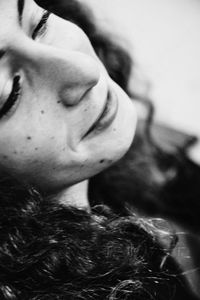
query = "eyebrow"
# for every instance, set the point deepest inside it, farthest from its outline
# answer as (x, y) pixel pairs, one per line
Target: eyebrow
(20, 6)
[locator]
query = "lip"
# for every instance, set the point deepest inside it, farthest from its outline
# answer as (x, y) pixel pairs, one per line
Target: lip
(107, 114)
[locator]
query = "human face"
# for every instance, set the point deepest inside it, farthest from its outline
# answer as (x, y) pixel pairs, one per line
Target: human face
(53, 89)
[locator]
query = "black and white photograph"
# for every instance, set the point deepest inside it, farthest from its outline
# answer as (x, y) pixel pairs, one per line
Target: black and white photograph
(99, 150)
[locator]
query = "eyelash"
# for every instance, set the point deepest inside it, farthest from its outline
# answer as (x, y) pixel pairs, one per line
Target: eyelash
(16, 87)
(42, 25)
(13, 97)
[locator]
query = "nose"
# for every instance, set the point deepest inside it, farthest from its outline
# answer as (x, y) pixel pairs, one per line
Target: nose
(69, 74)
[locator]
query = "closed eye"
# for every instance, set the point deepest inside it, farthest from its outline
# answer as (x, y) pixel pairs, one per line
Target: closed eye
(41, 26)
(13, 97)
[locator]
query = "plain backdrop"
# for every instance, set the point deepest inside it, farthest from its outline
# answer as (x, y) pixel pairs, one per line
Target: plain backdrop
(164, 37)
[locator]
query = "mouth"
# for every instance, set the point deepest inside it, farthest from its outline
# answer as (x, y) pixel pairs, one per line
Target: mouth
(107, 114)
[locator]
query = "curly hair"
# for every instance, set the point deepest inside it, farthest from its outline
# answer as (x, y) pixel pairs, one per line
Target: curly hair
(48, 251)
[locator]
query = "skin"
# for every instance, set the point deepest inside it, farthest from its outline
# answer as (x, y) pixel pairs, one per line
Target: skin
(64, 87)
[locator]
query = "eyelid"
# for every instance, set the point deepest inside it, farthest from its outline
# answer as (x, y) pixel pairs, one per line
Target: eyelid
(41, 26)
(13, 97)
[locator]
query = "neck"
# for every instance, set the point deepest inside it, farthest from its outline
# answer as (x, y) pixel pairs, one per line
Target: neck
(76, 195)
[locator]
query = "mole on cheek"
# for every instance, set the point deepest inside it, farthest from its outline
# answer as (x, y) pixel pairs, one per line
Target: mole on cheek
(42, 112)
(29, 138)
(102, 161)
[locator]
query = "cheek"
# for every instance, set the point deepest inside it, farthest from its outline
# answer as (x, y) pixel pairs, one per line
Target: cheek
(14, 151)
(18, 153)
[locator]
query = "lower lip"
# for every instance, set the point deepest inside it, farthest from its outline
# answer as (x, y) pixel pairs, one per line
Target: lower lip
(108, 114)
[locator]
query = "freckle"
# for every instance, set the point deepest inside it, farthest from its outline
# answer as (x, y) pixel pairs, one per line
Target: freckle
(102, 161)
(42, 112)
(52, 138)
(5, 156)
(29, 138)
(15, 152)
(36, 149)
(58, 101)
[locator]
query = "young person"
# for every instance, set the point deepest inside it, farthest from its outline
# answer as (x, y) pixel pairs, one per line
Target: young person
(65, 116)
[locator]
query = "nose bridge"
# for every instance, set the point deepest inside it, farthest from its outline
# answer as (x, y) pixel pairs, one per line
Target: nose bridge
(79, 68)
(64, 70)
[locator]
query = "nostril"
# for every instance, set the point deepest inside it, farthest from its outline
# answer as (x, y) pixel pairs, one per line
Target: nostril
(75, 88)
(94, 77)
(84, 94)
(73, 96)
(71, 74)
(69, 96)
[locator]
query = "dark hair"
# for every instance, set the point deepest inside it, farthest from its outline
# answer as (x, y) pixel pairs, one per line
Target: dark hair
(48, 251)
